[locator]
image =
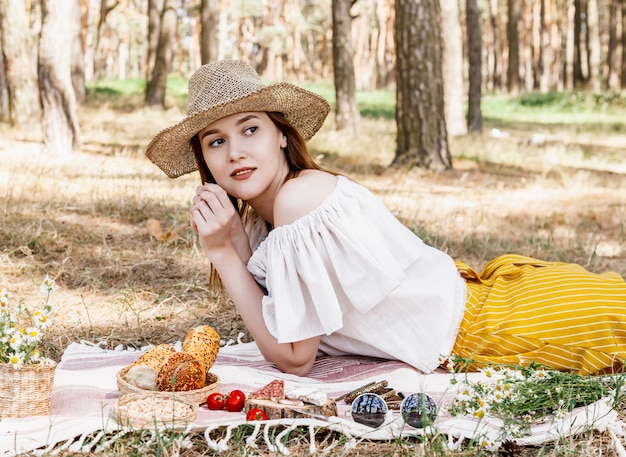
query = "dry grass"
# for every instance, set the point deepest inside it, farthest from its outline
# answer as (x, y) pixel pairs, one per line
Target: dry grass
(82, 219)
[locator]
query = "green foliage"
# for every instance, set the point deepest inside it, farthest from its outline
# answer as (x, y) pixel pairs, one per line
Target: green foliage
(523, 395)
(602, 110)
(375, 104)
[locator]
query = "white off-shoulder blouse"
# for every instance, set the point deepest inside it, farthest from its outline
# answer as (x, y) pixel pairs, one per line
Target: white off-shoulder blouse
(350, 272)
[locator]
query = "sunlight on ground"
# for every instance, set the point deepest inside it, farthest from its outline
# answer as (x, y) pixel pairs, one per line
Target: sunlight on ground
(82, 218)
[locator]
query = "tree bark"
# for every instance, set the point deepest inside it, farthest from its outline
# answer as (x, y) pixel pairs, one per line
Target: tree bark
(208, 30)
(580, 47)
(623, 68)
(19, 54)
(512, 75)
(102, 43)
(347, 116)
(422, 138)
(613, 57)
(474, 114)
(493, 50)
(156, 87)
(61, 133)
(454, 91)
(5, 107)
(595, 46)
(154, 26)
(569, 45)
(78, 51)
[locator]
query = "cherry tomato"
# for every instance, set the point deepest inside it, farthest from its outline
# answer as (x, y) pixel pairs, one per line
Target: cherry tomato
(235, 401)
(215, 401)
(256, 414)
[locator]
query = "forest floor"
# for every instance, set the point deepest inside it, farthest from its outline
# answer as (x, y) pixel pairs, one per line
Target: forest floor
(553, 192)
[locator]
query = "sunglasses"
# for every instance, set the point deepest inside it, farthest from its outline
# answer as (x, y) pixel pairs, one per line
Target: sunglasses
(417, 410)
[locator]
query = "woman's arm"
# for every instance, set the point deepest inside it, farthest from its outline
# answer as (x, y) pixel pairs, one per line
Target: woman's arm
(216, 221)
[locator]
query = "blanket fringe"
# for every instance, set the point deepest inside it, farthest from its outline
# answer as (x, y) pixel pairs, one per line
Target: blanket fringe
(274, 439)
(617, 430)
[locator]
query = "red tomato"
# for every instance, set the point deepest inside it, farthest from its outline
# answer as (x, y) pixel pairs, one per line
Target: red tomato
(215, 401)
(256, 414)
(234, 401)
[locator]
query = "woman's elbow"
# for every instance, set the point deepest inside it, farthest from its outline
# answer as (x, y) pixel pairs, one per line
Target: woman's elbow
(295, 358)
(295, 368)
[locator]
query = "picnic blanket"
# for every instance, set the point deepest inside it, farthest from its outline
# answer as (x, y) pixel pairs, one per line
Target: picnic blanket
(85, 393)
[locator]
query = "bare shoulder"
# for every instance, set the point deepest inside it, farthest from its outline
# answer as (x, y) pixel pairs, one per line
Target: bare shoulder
(299, 196)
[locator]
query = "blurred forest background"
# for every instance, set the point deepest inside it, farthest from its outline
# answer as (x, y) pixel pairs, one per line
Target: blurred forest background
(485, 126)
(438, 56)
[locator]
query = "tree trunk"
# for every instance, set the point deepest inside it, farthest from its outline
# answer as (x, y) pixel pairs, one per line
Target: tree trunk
(384, 46)
(21, 67)
(155, 90)
(209, 12)
(493, 48)
(474, 114)
(78, 51)
(613, 57)
(102, 47)
(580, 46)
(347, 114)
(594, 45)
(623, 69)
(569, 45)
(547, 56)
(154, 26)
(5, 106)
(60, 121)
(422, 139)
(512, 75)
(454, 91)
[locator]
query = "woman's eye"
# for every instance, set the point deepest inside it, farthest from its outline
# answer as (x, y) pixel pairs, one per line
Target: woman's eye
(215, 143)
(250, 130)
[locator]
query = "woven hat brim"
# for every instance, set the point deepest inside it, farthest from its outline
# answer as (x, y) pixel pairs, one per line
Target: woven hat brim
(171, 148)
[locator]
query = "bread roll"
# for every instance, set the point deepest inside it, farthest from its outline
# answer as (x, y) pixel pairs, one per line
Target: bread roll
(143, 373)
(181, 372)
(203, 343)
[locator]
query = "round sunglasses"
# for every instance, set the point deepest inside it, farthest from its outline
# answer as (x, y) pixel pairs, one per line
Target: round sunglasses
(417, 410)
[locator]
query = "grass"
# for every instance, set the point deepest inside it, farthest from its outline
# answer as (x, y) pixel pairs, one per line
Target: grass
(82, 219)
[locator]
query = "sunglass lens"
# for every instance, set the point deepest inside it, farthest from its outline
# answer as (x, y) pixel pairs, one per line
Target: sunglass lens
(418, 410)
(369, 409)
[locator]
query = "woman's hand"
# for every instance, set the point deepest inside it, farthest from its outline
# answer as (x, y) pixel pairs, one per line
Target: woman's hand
(217, 222)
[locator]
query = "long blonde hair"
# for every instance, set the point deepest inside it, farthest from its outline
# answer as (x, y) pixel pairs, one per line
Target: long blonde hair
(298, 158)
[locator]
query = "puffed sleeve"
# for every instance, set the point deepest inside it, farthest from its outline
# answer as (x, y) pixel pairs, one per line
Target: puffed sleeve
(348, 253)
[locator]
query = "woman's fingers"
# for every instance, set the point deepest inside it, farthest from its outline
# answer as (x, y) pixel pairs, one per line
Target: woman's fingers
(209, 190)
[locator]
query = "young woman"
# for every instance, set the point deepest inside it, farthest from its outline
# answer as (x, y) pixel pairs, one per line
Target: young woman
(315, 262)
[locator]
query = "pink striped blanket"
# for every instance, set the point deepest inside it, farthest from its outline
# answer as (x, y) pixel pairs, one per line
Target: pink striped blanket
(85, 392)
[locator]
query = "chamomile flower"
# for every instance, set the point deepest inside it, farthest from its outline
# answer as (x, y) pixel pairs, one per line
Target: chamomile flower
(17, 360)
(21, 329)
(41, 319)
(487, 444)
(539, 375)
(32, 335)
(47, 286)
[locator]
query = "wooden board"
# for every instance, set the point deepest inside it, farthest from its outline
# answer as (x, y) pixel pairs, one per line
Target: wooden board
(279, 411)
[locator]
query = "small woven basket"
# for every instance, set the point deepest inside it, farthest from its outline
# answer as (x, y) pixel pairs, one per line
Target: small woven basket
(157, 410)
(26, 391)
(197, 396)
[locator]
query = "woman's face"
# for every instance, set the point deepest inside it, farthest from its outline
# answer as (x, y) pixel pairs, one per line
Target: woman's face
(244, 153)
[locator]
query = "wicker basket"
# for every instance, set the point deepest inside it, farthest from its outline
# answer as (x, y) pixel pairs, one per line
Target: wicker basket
(197, 396)
(157, 410)
(27, 391)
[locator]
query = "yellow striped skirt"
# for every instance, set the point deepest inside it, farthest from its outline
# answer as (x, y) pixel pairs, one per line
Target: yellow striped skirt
(521, 310)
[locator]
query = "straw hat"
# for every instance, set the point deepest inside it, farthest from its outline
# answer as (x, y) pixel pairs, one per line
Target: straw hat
(219, 89)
